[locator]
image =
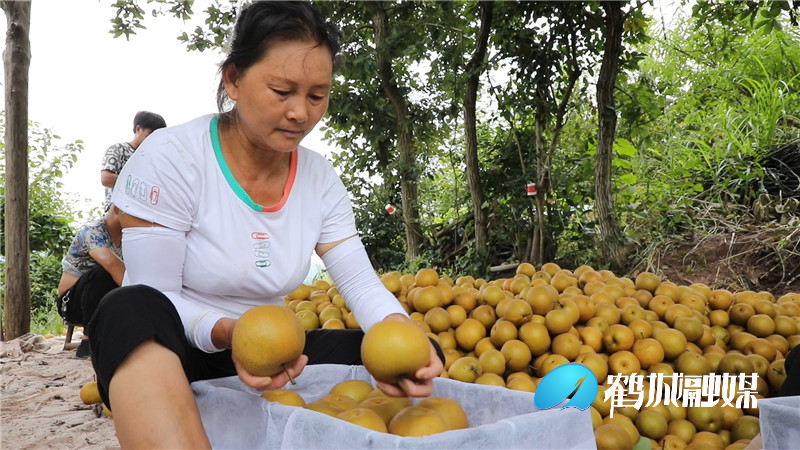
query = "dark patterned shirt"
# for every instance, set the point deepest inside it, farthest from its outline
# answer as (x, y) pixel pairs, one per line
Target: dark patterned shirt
(114, 160)
(93, 235)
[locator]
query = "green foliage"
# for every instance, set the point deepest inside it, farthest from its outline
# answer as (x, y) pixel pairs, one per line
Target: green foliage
(381, 233)
(219, 20)
(363, 120)
(766, 16)
(572, 181)
(46, 320)
(130, 16)
(701, 122)
(694, 124)
(50, 215)
(550, 52)
(45, 275)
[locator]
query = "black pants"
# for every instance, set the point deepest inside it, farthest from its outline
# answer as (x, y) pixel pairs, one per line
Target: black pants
(791, 386)
(79, 303)
(131, 315)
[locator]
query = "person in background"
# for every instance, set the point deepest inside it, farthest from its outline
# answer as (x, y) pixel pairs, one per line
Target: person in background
(90, 269)
(791, 385)
(790, 388)
(115, 157)
(220, 215)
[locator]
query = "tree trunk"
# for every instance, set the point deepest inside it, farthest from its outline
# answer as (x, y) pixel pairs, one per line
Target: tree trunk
(16, 60)
(611, 242)
(473, 71)
(542, 169)
(405, 141)
(544, 183)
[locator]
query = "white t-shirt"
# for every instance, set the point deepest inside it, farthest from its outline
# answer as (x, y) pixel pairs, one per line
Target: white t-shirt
(238, 254)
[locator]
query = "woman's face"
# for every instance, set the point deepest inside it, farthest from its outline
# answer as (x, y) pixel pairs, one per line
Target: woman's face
(282, 97)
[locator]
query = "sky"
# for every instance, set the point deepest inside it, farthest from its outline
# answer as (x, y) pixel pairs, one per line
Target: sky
(87, 85)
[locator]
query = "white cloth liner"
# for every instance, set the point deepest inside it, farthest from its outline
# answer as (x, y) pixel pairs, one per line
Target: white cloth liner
(779, 419)
(235, 416)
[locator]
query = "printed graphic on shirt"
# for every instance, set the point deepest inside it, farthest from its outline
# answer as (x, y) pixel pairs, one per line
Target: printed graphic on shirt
(261, 244)
(154, 192)
(141, 191)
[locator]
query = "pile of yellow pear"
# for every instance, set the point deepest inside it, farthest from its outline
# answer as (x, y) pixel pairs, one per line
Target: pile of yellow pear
(360, 403)
(513, 331)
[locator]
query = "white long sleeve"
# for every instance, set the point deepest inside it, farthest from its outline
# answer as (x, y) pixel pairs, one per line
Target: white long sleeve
(358, 283)
(154, 257)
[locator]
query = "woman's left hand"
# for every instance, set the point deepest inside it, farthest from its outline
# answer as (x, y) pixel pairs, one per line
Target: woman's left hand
(421, 385)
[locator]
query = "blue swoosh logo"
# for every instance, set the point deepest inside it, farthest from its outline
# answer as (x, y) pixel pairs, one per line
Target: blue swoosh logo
(569, 379)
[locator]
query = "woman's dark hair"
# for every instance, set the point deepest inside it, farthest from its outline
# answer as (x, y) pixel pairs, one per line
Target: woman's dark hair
(262, 23)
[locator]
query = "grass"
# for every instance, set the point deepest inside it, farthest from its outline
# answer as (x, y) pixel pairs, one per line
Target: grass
(46, 321)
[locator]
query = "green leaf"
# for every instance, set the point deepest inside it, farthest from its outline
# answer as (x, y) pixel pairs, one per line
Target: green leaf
(617, 162)
(624, 147)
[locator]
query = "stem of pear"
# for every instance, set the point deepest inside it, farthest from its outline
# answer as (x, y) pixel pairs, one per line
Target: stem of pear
(402, 383)
(288, 375)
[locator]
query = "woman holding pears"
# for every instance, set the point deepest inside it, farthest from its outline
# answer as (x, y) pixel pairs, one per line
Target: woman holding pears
(220, 215)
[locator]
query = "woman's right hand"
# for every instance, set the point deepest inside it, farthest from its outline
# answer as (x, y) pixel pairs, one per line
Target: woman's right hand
(276, 381)
(222, 336)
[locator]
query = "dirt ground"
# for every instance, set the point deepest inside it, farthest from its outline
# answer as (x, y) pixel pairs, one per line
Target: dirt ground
(40, 395)
(728, 261)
